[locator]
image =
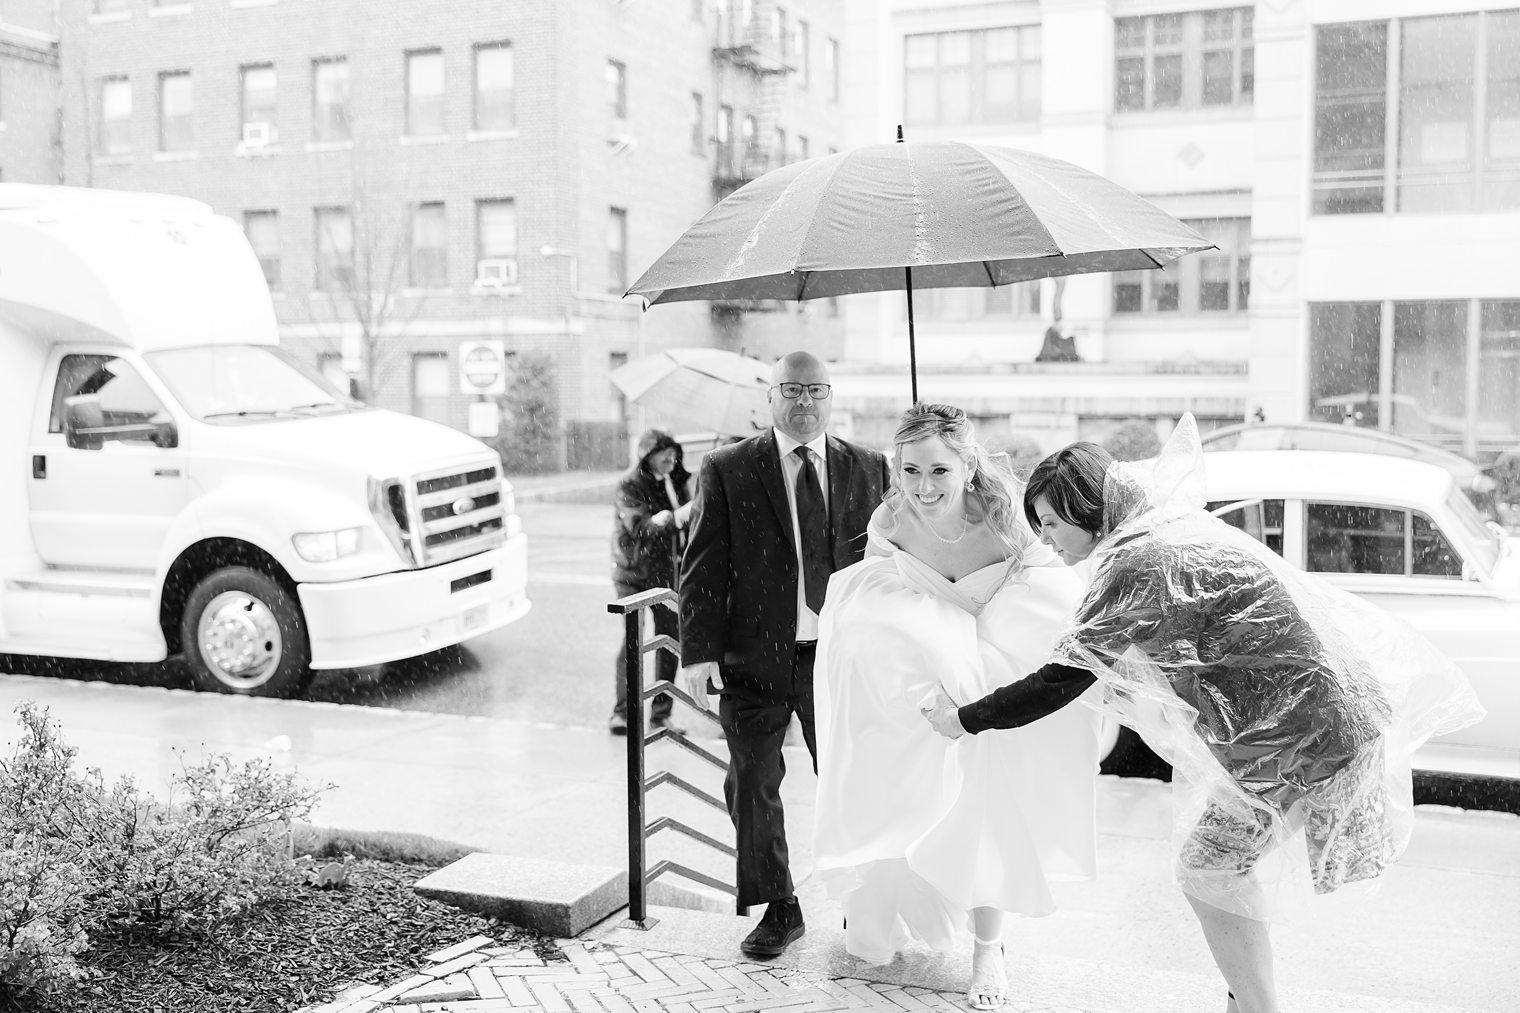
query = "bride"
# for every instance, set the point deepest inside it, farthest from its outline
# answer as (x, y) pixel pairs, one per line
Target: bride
(918, 837)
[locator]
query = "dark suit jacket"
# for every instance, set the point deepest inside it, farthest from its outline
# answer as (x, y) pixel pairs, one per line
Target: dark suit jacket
(739, 573)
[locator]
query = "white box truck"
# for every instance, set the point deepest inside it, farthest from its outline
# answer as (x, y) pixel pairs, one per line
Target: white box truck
(172, 482)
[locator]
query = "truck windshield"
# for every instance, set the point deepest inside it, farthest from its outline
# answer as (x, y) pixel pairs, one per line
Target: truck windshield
(232, 384)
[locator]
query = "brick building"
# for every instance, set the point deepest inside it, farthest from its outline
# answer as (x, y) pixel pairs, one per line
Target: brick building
(421, 177)
(29, 92)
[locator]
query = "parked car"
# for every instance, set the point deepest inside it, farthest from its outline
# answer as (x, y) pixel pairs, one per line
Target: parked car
(1409, 418)
(1401, 534)
(1479, 486)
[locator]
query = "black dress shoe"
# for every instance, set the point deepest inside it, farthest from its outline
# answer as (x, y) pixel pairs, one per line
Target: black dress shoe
(779, 926)
(617, 725)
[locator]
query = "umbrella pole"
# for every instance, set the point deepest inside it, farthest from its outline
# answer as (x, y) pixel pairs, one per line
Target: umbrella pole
(912, 349)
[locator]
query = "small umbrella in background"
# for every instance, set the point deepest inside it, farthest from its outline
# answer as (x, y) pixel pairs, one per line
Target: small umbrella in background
(714, 388)
(922, 214)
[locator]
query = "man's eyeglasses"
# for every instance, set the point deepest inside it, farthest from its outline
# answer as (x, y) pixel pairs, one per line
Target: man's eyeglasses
(816, 391)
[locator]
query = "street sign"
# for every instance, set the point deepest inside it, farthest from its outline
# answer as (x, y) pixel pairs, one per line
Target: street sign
(485, 419)
(482, 367)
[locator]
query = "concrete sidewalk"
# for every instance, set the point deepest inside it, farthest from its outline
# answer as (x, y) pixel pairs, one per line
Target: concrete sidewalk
(1441, 935)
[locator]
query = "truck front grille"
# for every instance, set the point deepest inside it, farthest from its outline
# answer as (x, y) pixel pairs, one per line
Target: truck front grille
(458, 513)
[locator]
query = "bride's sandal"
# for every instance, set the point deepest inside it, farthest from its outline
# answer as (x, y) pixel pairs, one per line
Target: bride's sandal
(989, 989)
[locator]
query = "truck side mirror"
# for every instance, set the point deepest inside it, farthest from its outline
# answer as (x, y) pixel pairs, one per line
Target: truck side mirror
(83, 421)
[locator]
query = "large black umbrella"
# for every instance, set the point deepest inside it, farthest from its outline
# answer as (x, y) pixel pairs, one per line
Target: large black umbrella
(920, 214)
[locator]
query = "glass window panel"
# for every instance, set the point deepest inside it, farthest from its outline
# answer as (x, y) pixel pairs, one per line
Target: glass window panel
(1247, 73)
(1001, 44)
(335, 249)
(330, 120)
(176, 109)
(495, 85)
(1214, 283)
(1499, 370)
(430, 247)
(1218, 77)
(1247, 20)
(1501, 170)
(617, 89)
(1129, 33)
(1166, 29)
(431, 386)
(617, 251)
(1030, 91)
(955, 96)
(1219, 26)
(920, 97)
(1167, 81)
(1430, 371)
(1350, 117)
(1128, 292)
(496, 229)
(424, 94)
(998, 301)
(259, 94)
(1129, 83)
(1436, 113)
(1433, 554)
(115, 116)
(954, 49)
(1354, 539)
(263, 230)
(1344, 343)
(920, 51)
(1002, 93)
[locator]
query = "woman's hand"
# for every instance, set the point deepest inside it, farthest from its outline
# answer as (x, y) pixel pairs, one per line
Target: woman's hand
(944, 715)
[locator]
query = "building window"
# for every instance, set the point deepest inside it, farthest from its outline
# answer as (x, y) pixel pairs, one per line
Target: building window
(263, 229)
(780, 149)
(495, 232)
(617, 89)
(424, 93)
(727, 163)
(335, 250)
(1213, 281)
(259, 103)
(617, 251)
(1184, 61)
(802, 148)
(430, 247)
(986, 76)
(1425, 348)
(115, 132)
(1447, 88)
(495, 83)
(431, 386)
(831, 68)
(804, 54)
(779, 36)
(176, 112)
(330, 121)
(698, 125)
(972, 304)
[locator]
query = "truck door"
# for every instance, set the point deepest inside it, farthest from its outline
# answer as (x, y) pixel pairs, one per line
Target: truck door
(108, 501)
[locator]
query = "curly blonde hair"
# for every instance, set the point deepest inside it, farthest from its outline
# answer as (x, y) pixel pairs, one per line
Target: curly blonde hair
(995, 494)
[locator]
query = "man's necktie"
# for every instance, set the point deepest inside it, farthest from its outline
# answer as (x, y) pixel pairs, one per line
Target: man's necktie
(813, 525)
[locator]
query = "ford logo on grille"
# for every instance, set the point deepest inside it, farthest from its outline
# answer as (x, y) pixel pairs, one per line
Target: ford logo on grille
(462, 506)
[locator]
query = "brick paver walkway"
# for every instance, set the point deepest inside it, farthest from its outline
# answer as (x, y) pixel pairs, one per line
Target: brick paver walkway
(477, 975)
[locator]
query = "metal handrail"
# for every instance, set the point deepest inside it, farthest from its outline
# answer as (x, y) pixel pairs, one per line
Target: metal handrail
(640, 874)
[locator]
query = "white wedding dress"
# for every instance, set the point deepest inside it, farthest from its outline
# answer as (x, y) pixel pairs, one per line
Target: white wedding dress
(913, 830)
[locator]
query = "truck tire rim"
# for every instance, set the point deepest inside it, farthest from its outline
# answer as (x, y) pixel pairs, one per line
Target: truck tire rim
(239, 640)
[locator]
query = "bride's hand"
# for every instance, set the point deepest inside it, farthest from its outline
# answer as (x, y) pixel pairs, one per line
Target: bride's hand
(944, 715)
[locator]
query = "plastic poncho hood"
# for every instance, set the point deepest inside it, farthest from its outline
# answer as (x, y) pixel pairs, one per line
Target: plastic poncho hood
(1287, 707)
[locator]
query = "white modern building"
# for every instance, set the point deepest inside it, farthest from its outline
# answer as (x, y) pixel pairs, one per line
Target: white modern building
(1357, 162)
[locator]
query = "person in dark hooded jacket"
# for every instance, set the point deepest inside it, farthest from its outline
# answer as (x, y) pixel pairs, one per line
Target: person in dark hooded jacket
(648, 532)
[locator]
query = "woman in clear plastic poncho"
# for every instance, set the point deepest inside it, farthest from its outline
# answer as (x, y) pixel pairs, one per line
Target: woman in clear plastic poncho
(1288, 708)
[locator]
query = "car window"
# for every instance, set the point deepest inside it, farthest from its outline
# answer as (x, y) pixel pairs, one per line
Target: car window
(124, 397)
(1343, 538)
(1355, 539)
(1261, 519)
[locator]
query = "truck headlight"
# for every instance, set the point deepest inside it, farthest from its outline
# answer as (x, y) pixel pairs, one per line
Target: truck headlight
(326, 546)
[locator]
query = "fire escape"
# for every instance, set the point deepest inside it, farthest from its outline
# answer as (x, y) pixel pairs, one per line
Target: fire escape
(750, 57)
(750, 63)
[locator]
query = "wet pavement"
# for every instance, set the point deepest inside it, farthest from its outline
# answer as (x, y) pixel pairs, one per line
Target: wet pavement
(1441, 935)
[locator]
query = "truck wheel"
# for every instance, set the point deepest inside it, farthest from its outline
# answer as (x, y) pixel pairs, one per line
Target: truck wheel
(244, 634)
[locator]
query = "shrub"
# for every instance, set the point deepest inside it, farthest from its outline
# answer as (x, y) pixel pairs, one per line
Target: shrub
(1135, 440)
(529, 443)
(76, 855)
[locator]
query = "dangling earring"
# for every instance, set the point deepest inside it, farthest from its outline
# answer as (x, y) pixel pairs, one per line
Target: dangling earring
(970, 479)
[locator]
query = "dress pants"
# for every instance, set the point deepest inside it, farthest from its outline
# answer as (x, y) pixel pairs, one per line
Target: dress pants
(754, 732)
(665, 621)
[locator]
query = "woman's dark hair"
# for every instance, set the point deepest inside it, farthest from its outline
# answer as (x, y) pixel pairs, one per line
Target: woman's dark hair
(1072, 480)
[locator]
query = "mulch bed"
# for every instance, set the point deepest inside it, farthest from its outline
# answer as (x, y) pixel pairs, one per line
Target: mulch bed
(283, 955)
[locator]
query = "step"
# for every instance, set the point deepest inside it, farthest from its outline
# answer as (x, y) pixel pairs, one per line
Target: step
(1038, 981)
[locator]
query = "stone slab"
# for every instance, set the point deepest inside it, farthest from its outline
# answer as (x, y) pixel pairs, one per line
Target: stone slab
(557, 898)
